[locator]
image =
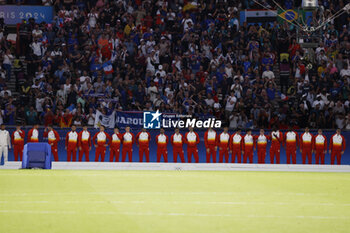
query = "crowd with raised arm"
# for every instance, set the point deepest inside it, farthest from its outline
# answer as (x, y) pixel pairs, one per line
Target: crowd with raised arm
(189, 57)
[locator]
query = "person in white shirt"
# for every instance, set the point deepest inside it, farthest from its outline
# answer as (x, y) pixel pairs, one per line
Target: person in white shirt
(1, 116)
(46, 2)
(268, 73)
(90, 117)
(37, 33)
(237, 88)
(37, 48)
(320, 48)
(7, 63)
(5, 90)
(229, 71)
(319, 102)
(5, 143)
(209, 100)
(150, 64)
(84, 77)
(39, 103)
(61, 95)
(187, 23)
(93, 16)
(345, 71)
(234, 118)
(160, 71)
(230, 103)
(347, 122)
(152, 91)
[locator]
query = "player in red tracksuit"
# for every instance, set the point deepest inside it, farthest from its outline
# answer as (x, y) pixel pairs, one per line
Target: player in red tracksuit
(114, 143)
(72, 144)
(18, 142)
(210, 144)
(128, 141)
(291, 140)
(320, 147)
(337, 147)
(84, 141)
(248, 147)
(100, 141)
(177, 140)
(192, 140)
(276, 141)
(260, 145)
(142, 140)
(33, 134)
(223, 141)
(53, 138)
(162, 142)
(306, 140)
(236, 146)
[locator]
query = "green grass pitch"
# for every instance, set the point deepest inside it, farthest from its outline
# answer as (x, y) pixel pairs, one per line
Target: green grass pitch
(40, 201)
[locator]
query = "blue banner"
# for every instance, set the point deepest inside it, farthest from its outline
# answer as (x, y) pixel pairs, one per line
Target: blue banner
(132, 119)
(14, 14)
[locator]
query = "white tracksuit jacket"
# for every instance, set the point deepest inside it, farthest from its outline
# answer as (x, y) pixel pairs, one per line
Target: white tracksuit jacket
(5, 144)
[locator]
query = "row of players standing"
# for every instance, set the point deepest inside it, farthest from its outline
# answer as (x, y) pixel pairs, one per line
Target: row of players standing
(237, 144)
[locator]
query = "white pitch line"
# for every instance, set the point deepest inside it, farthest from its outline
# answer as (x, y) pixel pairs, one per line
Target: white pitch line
(94, 175)
(37, 212)
(163, 193)
(174, 202)
(169, 214)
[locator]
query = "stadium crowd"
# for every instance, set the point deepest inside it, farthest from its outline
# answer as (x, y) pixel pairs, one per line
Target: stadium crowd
(190, 57)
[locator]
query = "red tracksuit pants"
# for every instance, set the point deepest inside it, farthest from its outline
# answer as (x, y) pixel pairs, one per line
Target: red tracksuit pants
(127, 150)
(319, 156)
(248, 154)
(84, 150)
(336, 154)
(223, 153)
(114, 154)
(192, 150)
(100, 152)
(274, 153)
(261, 155)
(71, 154)
(160, 152)
(211, 154)
(291, 152)
(238, 154)
(306, 153)
(18, 152)
(144, 151)
(178, 151)
(54, 152)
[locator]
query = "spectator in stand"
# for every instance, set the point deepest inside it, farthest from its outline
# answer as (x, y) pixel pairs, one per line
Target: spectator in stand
(7, 63)
(200, 60)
